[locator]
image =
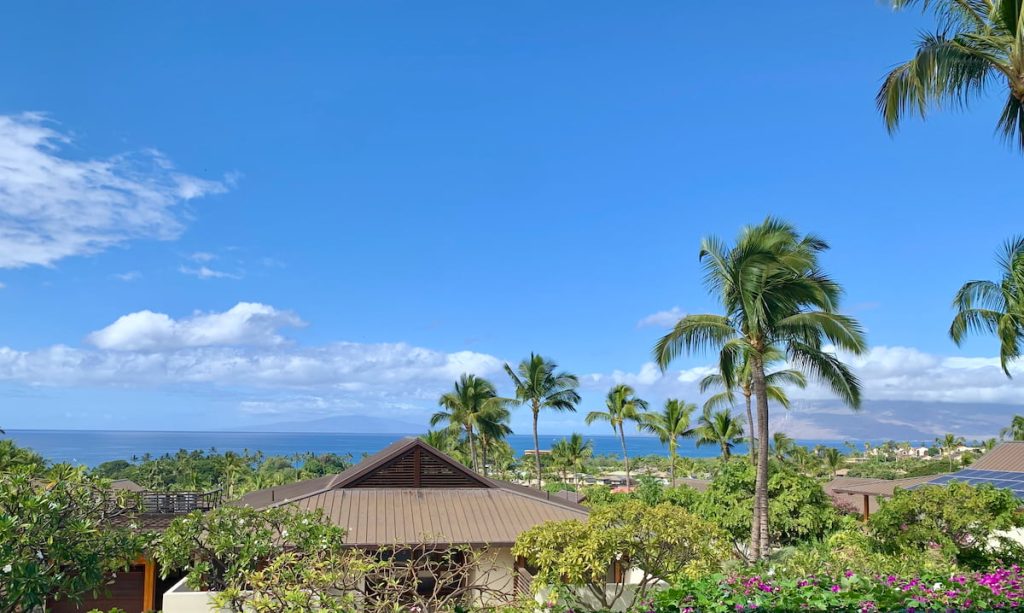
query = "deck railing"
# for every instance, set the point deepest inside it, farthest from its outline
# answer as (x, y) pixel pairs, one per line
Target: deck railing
(178, 502)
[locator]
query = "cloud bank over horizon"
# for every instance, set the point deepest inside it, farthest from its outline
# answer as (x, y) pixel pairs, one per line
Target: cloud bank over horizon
(246, 350)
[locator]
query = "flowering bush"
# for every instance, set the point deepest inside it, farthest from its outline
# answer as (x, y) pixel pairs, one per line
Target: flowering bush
(1002, 589)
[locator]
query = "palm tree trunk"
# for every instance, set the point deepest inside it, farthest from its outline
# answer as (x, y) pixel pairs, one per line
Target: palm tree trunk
(472, 447)
(483, 454)
(536, 442)
(751, 439)
(625, 456)
(761, 480)
(672, 459)
(755, 524)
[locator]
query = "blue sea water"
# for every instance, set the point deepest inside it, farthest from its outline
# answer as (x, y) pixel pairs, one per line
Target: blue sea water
(92, 447)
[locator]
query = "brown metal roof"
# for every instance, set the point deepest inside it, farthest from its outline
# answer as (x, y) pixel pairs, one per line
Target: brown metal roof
(477, 510)
(126, 484)
(384, 516)
(1007, 456)
(879, 487)
(698, 484)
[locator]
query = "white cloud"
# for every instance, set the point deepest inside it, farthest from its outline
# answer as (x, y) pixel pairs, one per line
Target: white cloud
(886, 373)
(128, 277)
(204, 272)
(246, 323)
(661, 319)
(202, 256)
(56, 207)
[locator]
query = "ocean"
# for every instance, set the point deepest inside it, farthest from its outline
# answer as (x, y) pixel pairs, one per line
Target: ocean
(92, 447)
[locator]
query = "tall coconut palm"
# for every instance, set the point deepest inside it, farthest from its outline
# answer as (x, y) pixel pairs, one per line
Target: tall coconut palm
(995, 307)
(742, 381)
(621, 405)
(466, 406)
(670, 425)
(978, 47)
(540, 385)
(719, 428)
(775, 296)
(572, 454)
(949, 444)
(1015, 431)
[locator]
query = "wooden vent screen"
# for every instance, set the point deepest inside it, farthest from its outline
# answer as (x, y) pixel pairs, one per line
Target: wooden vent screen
(418, 468)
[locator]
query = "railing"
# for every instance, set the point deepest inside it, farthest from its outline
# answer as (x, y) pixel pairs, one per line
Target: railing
(523, 581)
(178, 502)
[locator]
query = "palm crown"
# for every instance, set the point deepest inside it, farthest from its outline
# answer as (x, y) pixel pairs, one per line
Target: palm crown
(979, 42)
(995, 307)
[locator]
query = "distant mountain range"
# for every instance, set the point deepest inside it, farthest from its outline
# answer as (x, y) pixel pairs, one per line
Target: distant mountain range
(348, 424)
(893, 419)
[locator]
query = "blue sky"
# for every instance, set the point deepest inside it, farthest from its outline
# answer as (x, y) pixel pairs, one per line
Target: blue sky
(394, 192)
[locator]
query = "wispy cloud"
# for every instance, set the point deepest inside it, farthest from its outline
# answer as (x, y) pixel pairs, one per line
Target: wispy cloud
(55, 207)
(128, 277)
(205, 272)
(661, 319)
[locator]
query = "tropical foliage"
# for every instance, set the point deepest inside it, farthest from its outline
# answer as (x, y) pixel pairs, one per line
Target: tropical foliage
(57, 539)
(661, 542)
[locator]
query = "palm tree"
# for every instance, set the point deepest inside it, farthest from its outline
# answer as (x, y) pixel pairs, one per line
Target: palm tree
(466, 406)
(979, 42)
(1015, 431)
(989, 444)
(995, 307)
(782, 444)
(949, 444)
(572, 454)
(775, 296)
(493, 427)
(719, 428)
(622, 405)
(671, 424)
(442, 440)
(742, 381)
(539, 385)
(833, 460)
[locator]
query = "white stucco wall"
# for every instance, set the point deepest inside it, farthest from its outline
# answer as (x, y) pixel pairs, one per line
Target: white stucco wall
(181, 599)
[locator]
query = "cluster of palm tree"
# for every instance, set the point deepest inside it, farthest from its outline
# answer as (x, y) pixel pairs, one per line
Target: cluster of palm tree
(778, 303)
(570, 455)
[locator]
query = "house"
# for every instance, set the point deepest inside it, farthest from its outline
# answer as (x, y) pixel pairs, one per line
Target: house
(1002, 467)
(140, 588)
(863, 494)
(412, 496)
